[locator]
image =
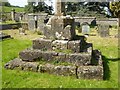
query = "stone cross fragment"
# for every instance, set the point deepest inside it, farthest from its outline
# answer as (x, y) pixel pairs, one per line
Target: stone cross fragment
(60, 8)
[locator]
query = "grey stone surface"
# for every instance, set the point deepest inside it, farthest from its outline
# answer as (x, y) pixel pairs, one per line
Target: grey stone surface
(79, 59)
(58, 70)
(81, 72)
(90, 72)
(42, 44)
(85, 28)
(103, 30)
(60, 44)
(75, 58)
(74, 46)
(30, 55)
(22, 65)
(31, 24)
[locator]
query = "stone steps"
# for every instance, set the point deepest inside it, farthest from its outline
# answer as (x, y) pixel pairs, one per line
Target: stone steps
(74, 58)
(84, 72)
(76, 46)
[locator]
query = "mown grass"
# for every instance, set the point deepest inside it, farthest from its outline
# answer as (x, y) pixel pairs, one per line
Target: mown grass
(23, 79)
(8, 9)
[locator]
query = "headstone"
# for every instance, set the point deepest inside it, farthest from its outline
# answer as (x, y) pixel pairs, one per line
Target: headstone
(85, 28)
(103, 30)
(13, 14)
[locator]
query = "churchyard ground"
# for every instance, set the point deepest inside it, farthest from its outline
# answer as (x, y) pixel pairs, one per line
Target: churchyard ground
(24, 79)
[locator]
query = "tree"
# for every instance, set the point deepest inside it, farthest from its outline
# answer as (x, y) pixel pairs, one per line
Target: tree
(39, 6)
(115, 8)
(88, 8)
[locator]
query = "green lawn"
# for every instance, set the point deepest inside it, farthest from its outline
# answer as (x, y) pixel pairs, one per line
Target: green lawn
(8, 9)
(24, 79)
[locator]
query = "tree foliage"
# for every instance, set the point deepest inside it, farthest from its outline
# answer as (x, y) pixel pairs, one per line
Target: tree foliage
(34, 7)
(115, 8)
(91, 8)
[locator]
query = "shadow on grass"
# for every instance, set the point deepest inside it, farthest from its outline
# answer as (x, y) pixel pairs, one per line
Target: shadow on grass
(107, 72)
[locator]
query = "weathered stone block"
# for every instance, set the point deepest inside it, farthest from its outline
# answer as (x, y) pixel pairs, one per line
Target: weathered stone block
(22, 65)
(79, 59)
(90, 72)
(59, 44)
(96, 58)
(30, 55)
(58, 70)
(42, 44)
(74, 46)
(65, 70)
(48, 32)
(49, 55)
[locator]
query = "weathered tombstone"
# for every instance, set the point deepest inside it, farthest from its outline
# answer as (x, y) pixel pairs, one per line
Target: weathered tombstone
(13, 14)
(103, 30)
(85, 28)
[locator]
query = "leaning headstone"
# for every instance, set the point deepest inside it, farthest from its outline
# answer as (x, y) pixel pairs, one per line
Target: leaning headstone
(103, 30)
(85, 28)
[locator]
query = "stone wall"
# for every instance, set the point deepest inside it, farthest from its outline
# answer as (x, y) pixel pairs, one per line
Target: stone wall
(110, 21)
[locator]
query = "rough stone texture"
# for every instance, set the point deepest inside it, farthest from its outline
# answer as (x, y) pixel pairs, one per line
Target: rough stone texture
(63, 27)
(49, 55)
(103, 30)
(96, 58)
(90, 72)
(22, 65)
(79, 59)
(42, 44)
(74, 46)
(30, 55)
(76, 58)
(58, 70)
(60, 27)
(60, 44)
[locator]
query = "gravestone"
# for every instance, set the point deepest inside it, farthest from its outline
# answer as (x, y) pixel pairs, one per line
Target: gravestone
(63, 52)
(85, 28)
(13, 14)
(103, 30)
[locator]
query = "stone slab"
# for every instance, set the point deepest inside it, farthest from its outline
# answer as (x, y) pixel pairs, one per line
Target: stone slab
(76, 46)
(22, 65)
(76, 58)
(42, 44)
(79, 59)
(60, 44)
(90, 72)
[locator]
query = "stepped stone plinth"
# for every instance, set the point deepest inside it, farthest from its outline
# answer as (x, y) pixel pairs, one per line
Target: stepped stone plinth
(61, 51)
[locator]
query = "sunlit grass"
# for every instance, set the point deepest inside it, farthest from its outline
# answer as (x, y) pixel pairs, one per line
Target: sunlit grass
(23, 79)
